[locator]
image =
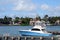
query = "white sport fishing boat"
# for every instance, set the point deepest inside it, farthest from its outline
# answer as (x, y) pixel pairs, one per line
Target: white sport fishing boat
(37, 30)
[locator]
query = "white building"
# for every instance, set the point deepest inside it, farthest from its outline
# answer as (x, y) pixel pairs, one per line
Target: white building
(57, 22)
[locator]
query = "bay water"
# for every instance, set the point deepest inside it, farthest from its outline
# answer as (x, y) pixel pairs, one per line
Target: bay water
(14, 30)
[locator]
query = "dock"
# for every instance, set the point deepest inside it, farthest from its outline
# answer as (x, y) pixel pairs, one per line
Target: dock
(9, 37)
(54, 32)
(28, 38)
(24, 38)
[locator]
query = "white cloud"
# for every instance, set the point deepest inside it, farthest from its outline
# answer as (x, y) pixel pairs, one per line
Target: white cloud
(50, 9)
(57, 9)
(44, 7)
(24, 5)
(7, 1)
(6, 5)
(31, 14)
(18, 5)
(2, 9)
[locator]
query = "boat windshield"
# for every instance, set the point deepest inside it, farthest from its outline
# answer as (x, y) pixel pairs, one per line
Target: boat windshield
(43, 29)
(35, 29)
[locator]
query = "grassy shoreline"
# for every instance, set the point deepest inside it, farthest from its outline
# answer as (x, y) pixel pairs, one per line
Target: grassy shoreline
(23, 25)
(15, 25)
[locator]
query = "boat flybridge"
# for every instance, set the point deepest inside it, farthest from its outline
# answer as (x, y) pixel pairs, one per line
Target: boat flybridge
(37, 30)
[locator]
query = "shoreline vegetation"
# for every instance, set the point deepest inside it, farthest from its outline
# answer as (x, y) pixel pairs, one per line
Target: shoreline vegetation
(25, 21)
(25, 25)
(15, 25)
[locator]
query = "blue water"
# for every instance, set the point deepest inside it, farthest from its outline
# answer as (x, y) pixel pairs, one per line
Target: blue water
(14, 30)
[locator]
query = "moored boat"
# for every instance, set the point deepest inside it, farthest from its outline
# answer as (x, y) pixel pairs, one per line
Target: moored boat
(37, 30)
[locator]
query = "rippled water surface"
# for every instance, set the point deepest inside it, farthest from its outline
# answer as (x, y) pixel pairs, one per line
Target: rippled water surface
(14, 30)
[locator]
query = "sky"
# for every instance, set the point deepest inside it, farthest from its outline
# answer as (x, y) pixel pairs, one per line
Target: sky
(29, 8)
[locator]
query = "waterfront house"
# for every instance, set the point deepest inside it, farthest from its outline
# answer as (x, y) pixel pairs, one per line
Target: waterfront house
(12, 22)
(47, 23)
(18, 23)
(57, 22)
(32, 22)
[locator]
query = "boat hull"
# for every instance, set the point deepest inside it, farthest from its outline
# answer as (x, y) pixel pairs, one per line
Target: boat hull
(28, 33)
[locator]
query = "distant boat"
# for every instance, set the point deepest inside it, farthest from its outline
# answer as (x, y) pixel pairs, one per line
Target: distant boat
(37, 30)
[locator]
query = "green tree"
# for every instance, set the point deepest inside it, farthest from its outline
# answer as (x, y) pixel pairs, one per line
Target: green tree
(9, 19)
(1, 20)
(16, 19)
(6, 21)
(53, 19)
(25, 21)
(46, 17)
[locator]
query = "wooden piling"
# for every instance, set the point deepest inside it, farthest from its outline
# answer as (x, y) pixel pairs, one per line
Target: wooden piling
(5, 38)
(18, 38)
(12, 38)
(32, 38)
(41, 38)
(25, 38)
(52, 38)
